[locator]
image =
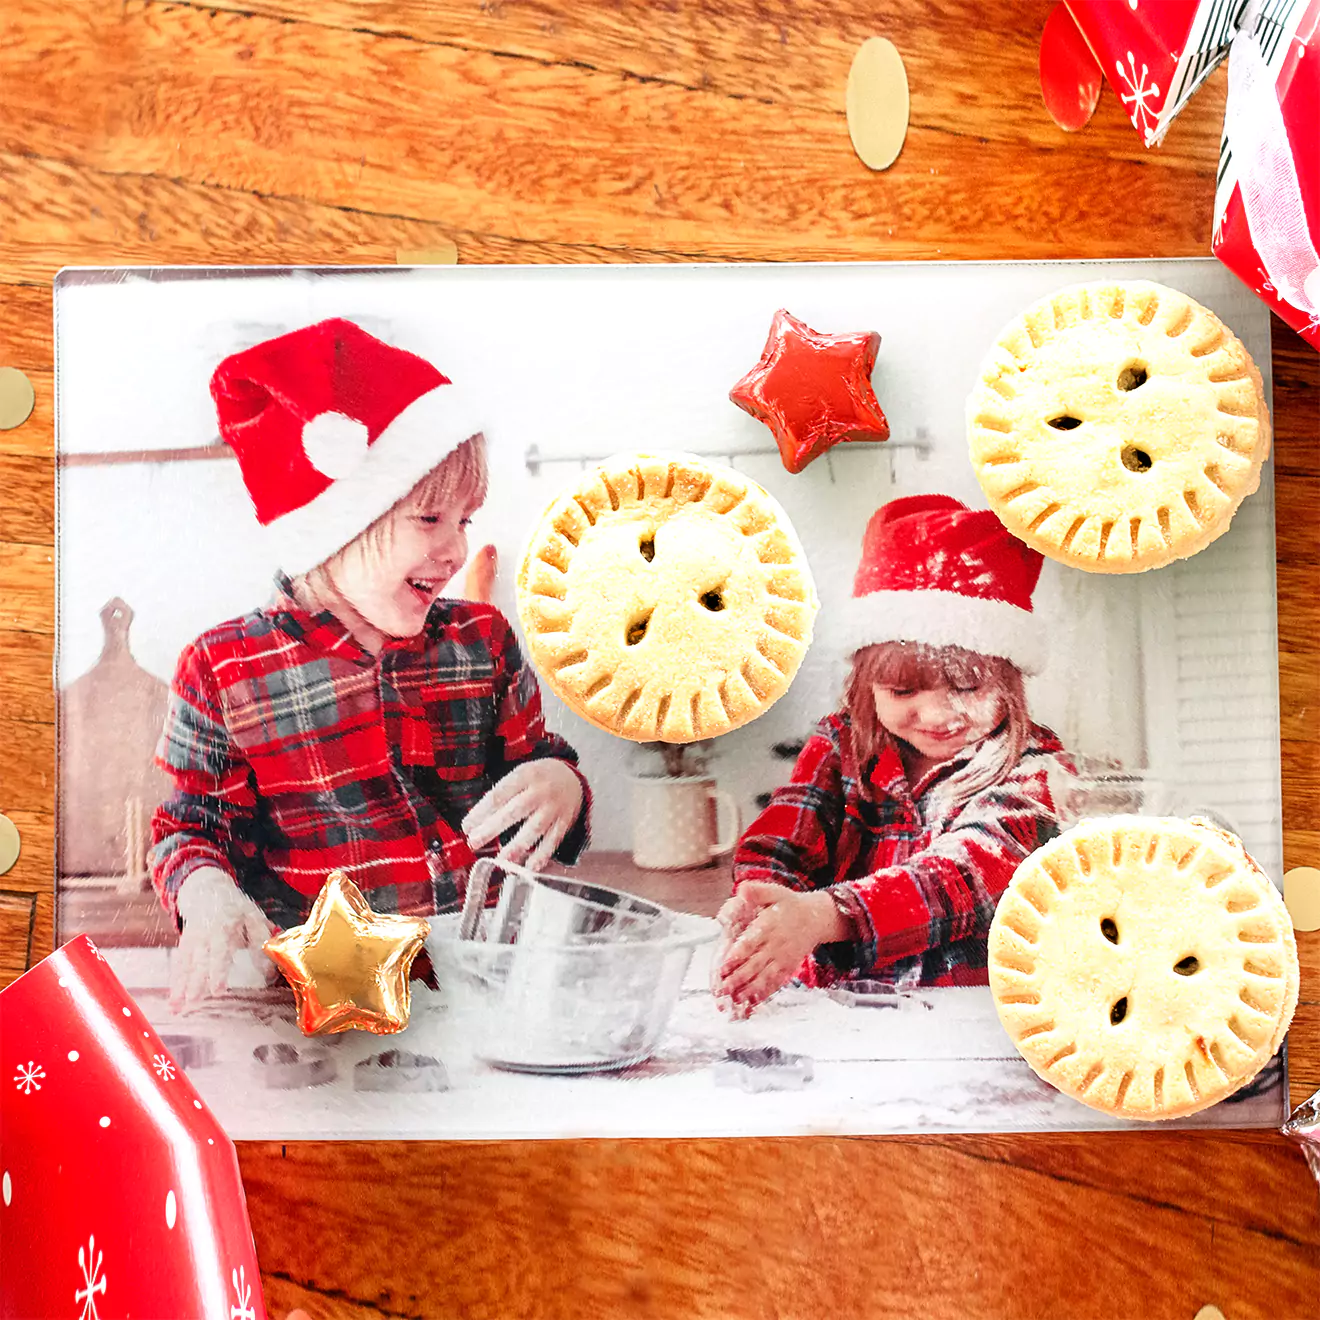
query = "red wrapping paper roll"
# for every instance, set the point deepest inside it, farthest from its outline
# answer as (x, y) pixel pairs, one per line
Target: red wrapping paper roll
(120, 1194)
(1267, 204)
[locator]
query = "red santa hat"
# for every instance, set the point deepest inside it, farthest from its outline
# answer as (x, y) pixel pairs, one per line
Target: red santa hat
(332, 427)
(940, 574)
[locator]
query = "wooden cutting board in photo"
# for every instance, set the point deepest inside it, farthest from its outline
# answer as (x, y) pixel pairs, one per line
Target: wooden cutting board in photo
(110, 720)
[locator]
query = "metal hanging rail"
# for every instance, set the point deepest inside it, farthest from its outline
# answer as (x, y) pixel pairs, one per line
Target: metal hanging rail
(918, 443)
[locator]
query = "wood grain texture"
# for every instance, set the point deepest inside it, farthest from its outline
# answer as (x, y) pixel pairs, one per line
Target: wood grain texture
(1300, 847)
(529, 149)
(26, 665)
(28, 575)
(319, 131)
(659, 1228)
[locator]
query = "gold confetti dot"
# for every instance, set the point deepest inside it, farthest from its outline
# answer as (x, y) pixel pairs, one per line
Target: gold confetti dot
(877, 103)
(444, 254)
(9, 844)
(1209, 1313)
(1301, 892)
(16, 398)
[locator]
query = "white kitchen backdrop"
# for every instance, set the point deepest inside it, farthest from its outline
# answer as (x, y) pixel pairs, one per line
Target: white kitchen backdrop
(569, 365)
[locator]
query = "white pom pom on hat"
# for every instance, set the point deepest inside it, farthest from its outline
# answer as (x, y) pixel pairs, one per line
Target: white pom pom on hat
(335, 444)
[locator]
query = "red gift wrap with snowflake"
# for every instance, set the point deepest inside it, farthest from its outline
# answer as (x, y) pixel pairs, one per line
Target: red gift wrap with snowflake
(120, 1194)
(1156, 53)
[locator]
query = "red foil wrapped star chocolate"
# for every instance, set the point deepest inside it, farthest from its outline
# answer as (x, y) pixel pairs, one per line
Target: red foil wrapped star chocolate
(812, 390)
(120, 1194)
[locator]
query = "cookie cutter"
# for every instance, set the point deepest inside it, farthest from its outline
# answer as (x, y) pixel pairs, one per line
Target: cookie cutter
(865, 994)
(280, 1066)
(190, 1051)
(400, 1071)
(764, 1068)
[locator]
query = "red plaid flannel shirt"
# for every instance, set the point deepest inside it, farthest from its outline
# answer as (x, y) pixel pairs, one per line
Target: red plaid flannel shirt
(294, 752)
(918, 878)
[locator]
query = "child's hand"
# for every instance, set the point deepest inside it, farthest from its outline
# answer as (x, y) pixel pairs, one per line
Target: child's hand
(734, 917)
(544, 795)
(218, 919)
(775, 929)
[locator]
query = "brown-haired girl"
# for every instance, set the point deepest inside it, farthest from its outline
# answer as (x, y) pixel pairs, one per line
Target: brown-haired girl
(910, 808)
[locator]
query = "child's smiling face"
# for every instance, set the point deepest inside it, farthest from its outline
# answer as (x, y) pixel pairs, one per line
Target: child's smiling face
(393, 572)
(421, 554)
(939, 722)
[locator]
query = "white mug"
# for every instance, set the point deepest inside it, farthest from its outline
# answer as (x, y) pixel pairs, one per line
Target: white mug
(681, 823)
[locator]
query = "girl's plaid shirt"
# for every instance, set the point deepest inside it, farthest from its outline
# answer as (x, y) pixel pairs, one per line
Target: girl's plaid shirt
(295, 752)
(918, 876)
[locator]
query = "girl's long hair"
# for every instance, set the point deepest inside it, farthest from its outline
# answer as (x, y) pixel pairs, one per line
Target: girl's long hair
(911, 665)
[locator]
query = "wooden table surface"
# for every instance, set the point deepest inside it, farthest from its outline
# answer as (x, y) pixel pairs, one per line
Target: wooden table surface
(336, 131)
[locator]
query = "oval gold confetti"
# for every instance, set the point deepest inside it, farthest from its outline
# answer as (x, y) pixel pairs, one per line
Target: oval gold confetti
(444, 253)
(1301, 892)
(877, 103)
(9, 844)
(16, 398)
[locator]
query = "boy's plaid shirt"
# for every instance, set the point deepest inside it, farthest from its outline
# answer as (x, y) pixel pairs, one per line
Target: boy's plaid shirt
(918, 877)
(295, 752)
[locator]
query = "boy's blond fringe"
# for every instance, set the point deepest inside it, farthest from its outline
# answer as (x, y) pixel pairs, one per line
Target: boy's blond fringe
(460, 477)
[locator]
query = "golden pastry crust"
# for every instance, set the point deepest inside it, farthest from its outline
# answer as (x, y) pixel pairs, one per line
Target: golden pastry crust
(665, 599)
(1117, 427)
(1144, 966)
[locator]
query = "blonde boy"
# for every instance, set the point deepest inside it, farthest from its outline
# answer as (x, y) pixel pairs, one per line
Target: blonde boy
(358, 721)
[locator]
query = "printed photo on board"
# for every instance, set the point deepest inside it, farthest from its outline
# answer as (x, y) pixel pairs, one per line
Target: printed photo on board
(293, 643)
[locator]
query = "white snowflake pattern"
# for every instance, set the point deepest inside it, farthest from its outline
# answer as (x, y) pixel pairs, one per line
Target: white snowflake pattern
(28, 1077)
(243, 1291)
(1141, 103)
(89, 1261)
(164, 1067)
